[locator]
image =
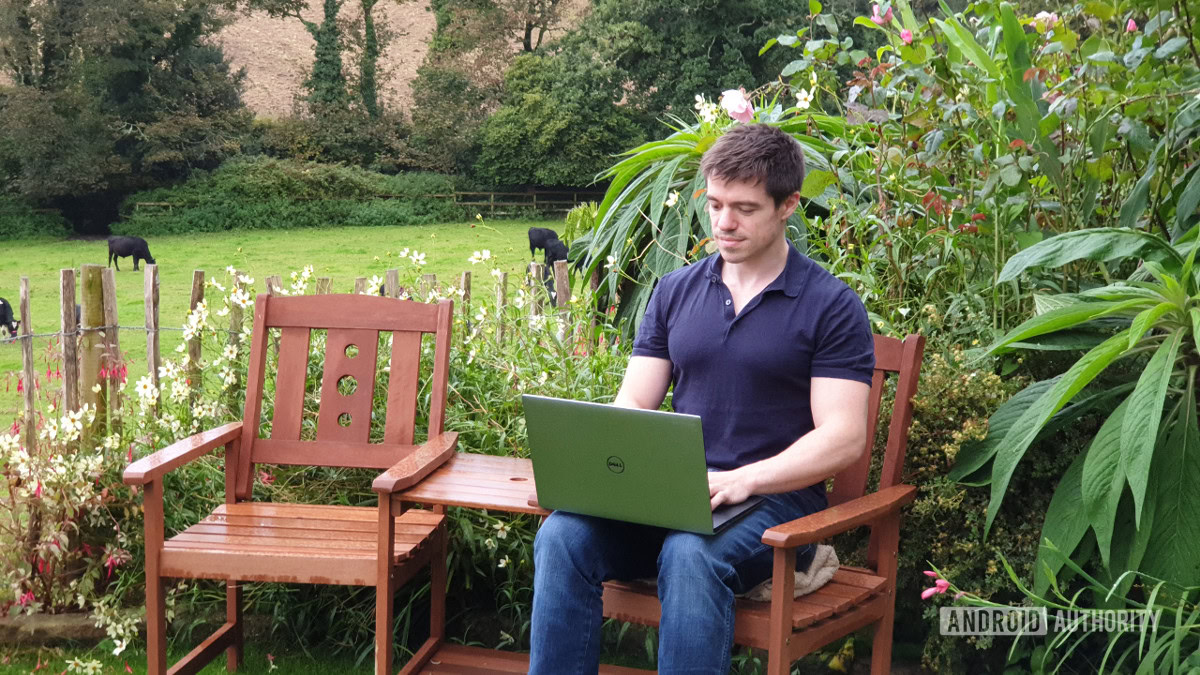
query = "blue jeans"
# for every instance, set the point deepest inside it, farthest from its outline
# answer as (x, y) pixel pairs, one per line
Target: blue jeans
(698, 576)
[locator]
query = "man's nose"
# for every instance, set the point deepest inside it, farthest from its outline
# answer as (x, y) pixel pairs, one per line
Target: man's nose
(722, 221)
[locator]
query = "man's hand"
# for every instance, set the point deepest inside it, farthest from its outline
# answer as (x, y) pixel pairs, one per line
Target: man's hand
(728, 487)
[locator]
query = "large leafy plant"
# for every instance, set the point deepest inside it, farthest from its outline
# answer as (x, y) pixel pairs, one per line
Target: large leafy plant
(1133, 488)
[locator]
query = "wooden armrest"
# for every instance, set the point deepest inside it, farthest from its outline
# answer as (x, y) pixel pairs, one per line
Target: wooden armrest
(417, 464)
(179, 453)
(837, 519)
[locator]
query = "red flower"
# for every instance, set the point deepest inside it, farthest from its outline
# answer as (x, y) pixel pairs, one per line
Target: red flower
(978, 217)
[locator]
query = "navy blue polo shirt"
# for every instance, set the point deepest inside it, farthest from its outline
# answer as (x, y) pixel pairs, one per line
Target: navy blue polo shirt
(748, 375)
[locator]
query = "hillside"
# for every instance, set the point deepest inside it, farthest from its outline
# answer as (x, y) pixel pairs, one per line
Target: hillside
(276, 52)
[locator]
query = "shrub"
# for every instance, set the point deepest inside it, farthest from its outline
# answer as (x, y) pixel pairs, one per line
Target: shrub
(266, 193)
(19, 219)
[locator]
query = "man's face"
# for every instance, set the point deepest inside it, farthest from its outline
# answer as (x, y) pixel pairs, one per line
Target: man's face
(746, 224)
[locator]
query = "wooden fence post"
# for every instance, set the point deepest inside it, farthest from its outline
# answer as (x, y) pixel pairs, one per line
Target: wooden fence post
(274, 284)
(92, 345)
(428, 285)
(153, 356)
(29, 419)
(533, 281)
(464, 283)
(70, 341)
(324, 286)
(193, 345)
(360, 285)
(392, 284)
(501, 305)
(562, 285)
(112, 341)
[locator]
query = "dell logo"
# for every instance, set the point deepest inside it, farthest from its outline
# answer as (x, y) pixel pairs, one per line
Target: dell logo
(615, 464)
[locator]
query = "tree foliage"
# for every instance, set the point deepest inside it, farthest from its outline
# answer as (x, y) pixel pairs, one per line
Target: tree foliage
(604, 85)
(113, 96)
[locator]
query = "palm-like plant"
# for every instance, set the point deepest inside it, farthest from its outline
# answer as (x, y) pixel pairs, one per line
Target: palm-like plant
(1135, 485)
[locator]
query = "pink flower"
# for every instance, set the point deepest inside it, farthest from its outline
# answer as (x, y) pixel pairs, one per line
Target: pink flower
(1045, 20)
(880, 20)
(734, 102)
(26, 598)
(906, 36)
(939, 586)
(1131, 27)
(931, 573)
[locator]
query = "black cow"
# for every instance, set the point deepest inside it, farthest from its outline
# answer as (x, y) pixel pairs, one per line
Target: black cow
(539, 237)
(555, 250)
(7, 322)
(123, 247)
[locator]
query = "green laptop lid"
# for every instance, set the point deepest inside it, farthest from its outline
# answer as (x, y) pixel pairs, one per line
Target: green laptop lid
(640, 466)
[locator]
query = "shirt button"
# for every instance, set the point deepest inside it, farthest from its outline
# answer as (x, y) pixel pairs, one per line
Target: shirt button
(728, 302)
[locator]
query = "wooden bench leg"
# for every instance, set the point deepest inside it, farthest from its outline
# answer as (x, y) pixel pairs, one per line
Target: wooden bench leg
(156, 625)
(385, 589)
(233, 615)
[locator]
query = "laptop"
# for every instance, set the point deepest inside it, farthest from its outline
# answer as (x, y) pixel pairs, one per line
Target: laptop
(640, 466)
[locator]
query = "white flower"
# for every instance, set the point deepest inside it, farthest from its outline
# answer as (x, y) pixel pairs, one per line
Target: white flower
(489, 543)
(96, 387)
(374, 284)
(241, 298)
(812, 78)
(470, 358)
(804, 99)
(10, 442)
(611, 260)
(496, 273)
(480, 256)
(672, 199)
(230, 270)
(145, 388)
(417, 258)
(501, 530)
(904, 311)
(482, 314)
(504, 562)
(230, 352)
(242, 278)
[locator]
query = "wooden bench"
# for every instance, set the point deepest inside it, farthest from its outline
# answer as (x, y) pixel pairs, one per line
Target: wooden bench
(242, 540)
(786, 627)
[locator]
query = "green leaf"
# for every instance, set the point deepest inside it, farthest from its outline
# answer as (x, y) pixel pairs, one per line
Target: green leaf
(1103, 480)
(1100, 244)
(961, 38)
(975, 454)
(1146, 320)
(829, 23)
(814, 7)
(1100, 10)
(1136, 202)
(1058, 319)
(815, 183)
(867, 23)
(1170, 47)
(770, 43)
(1173, 552)
(1017, 440)
(1194, 313)
(1065, 523)
(1140, 427)
(1189, 199)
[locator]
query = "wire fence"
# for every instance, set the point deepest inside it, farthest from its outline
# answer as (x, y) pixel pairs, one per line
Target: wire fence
(88, 351)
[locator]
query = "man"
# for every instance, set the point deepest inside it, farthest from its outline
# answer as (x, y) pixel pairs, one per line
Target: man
(775, 355)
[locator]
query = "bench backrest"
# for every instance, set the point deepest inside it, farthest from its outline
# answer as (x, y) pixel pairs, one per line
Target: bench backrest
(353, 325)
(902, 357)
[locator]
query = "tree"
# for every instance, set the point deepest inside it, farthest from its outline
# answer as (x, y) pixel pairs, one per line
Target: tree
(605, 85)
(114, 96)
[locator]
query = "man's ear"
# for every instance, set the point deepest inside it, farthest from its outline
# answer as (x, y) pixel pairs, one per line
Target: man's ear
(789, 205)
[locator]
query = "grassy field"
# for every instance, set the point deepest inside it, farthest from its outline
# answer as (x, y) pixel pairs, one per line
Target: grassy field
(339, 253)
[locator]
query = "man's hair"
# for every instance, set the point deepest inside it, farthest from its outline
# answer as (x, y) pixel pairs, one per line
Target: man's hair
(757, 153)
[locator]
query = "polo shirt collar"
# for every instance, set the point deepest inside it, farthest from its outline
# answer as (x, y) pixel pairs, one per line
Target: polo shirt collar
(791, 281)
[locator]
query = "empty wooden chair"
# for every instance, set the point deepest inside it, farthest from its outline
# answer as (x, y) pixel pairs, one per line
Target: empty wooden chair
(243, 540)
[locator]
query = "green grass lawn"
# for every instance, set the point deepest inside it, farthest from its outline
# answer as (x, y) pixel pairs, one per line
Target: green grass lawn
(341, 253)
(287, 661)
